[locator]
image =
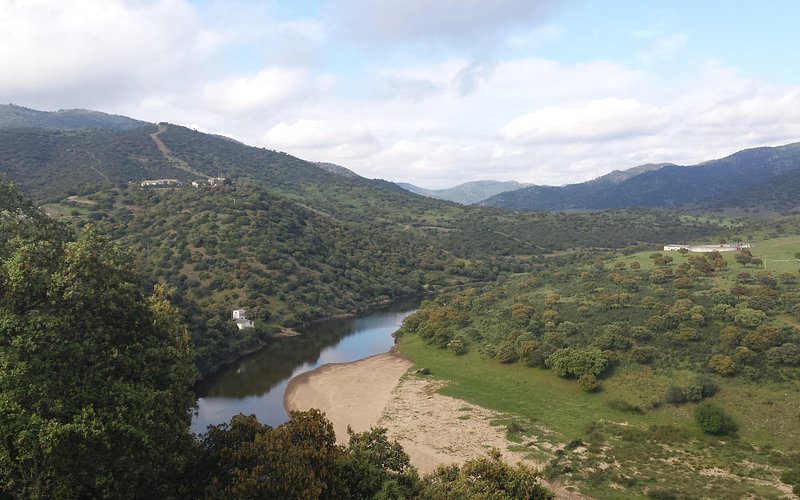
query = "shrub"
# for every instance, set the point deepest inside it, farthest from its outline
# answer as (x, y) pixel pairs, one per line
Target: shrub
(693, 392)
(457, 347)
(506, 353)
(588, 382)
(792, 477)
(675, 396)
(643, 354)
(713, 420)
(577, 362)
(625, 407)
(707, 386)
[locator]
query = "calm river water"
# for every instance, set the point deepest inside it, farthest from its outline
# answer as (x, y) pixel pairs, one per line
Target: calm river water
(256, 383)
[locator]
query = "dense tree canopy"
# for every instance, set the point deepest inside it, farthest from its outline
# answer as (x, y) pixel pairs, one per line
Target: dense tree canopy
(95, 386)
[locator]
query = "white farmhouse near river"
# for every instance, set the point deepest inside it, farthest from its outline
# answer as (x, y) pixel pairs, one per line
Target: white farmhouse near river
(240, 317)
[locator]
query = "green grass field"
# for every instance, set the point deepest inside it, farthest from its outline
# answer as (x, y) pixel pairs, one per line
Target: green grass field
(777, 253)
(660, 450)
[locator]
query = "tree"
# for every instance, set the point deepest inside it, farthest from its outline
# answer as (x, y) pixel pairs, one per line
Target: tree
(722, 364)
(96, 379)
(486, 477)
(713, 420)
(372, 463)
(297, 459)
(743, 257)
(577, 362)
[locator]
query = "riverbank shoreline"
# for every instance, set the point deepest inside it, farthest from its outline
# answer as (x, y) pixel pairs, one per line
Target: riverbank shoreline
(287, 332)
(375, 392)
(351, 394)
(295, 330)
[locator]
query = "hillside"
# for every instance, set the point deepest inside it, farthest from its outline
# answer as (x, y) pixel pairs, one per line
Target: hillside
(668, 186)
(285, 239)
(12, 116)
(466, 193)
(618, 359)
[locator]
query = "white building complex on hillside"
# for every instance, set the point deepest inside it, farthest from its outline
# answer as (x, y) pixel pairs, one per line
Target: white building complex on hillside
(722, 247)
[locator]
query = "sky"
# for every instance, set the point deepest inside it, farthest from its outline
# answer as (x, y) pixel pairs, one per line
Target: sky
(432, 92)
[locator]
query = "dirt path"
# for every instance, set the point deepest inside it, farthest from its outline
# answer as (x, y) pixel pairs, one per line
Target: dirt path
(174, 160)
(101, 174)
(789, 321)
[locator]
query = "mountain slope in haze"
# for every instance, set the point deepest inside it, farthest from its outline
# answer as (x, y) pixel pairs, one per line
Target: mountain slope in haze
(336, 169)
(666, 187)
(466, 193)
(617, 176)
(13, 116)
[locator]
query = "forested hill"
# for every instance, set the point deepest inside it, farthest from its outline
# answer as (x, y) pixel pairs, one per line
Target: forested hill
(736, 176)
(283, 238)
(468, 192)
(12, 116)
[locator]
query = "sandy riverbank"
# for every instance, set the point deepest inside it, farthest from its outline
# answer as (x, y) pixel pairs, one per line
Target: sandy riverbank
(432, 428)
(352, 394)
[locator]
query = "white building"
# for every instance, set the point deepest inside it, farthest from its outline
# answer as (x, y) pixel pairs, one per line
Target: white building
(240, 317)
(722, 247)
(160, 182)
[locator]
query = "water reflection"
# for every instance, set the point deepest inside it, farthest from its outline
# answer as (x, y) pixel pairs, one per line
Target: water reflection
(256, 384)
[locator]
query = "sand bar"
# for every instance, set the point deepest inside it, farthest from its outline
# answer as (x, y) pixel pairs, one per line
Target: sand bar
(349, 393)
(432, 428)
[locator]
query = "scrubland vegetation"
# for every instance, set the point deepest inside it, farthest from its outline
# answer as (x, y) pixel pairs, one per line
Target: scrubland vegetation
(655, 373)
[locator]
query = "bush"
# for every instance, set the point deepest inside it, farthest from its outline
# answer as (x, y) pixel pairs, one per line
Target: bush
(588, 382)
(707, 386)
(713, 420)
(675, 396)
(457, 347)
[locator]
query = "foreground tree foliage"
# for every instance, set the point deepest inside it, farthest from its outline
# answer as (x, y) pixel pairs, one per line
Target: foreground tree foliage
(300, 459)
(95, 386)
(484, 478)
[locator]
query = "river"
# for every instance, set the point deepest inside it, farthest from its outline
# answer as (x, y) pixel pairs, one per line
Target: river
(256, 383)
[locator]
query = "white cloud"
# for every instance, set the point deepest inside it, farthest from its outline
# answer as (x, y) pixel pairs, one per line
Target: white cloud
(90, 51)
(269, 87)
(604, 119)
(315, 134)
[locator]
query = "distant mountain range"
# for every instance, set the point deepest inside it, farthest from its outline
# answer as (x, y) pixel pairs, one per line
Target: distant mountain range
(467, 193)
(54, 154)
(765, 177)
(13, 116)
